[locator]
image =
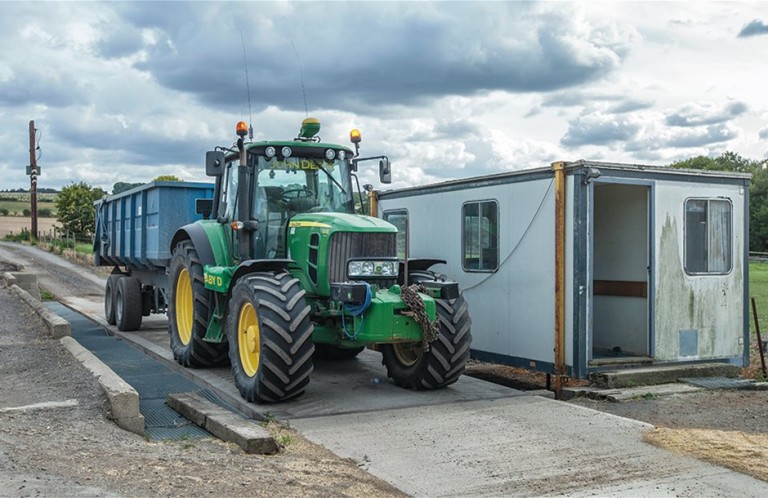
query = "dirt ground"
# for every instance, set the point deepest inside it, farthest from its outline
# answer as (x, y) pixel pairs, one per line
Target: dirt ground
(75, 451)
(79, 446)
(14, 224)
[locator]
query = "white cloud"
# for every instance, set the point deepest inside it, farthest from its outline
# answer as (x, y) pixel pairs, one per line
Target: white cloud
(126, 91)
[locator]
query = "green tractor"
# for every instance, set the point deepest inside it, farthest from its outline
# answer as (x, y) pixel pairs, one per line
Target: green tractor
(282, 270)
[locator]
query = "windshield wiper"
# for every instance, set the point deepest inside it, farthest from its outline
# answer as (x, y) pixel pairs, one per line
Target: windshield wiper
(319, 165)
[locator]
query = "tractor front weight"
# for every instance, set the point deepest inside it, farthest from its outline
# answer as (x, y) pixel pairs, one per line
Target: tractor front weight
(386, 320)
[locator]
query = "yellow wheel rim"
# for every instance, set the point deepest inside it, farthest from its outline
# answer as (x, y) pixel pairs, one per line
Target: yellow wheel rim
(249, 339)
(184, 307)
(408, 353)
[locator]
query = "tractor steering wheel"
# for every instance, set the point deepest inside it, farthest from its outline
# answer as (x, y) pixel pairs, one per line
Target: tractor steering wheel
(297, 193)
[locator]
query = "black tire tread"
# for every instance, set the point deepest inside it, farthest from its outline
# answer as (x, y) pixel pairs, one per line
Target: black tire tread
(286, 337)
(129, 291)
(198, 353)
(110, 291)
(446, 359)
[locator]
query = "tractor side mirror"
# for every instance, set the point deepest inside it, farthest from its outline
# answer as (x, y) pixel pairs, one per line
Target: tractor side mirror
(385, 172)
(204, 207)
(214, 163)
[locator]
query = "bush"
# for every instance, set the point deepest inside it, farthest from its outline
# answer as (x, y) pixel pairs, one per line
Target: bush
(45, 213)
(26, 212)
(3, 212)
(75, 207)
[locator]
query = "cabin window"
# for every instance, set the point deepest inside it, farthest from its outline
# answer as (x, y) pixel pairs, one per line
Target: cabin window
(480, 236)
(708, 236)
(399, 218)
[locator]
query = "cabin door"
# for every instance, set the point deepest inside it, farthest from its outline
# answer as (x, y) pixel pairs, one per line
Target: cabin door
(620, 273)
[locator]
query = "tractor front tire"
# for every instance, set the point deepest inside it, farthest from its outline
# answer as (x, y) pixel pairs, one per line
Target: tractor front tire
(411, 367)
(128, 303)
(110, 300)
(270, 337)
(189, 310)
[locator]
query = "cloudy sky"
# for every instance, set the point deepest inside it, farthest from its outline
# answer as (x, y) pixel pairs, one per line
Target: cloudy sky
(128, 91)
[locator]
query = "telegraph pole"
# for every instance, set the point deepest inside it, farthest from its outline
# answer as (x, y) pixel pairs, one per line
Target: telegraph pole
(33, 178)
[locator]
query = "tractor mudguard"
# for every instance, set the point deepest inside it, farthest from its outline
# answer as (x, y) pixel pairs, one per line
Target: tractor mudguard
(263, 265)
(417, 264)
(208, 240)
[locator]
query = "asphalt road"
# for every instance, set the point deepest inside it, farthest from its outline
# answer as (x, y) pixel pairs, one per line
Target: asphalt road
(471, 439)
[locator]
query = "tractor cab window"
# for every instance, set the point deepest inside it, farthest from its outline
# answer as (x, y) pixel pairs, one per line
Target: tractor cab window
(229, 192)
(289, 186)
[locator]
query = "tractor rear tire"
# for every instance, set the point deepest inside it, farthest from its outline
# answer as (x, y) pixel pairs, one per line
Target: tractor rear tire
(443, 364)
(110, 300)
(335, 353)
(270, 337)
(128, 303)
(189, 311)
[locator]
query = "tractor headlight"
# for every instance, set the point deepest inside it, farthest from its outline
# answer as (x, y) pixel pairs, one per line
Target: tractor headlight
(330, 154)
(269, 152)
(373, 268)
(342, 155)
(286, 151)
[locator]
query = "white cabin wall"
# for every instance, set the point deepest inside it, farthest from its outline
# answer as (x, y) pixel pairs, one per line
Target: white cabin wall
(711, 304)
(512, 310)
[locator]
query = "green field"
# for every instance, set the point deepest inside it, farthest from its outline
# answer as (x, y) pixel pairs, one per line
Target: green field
(758, 288)
(16, 203)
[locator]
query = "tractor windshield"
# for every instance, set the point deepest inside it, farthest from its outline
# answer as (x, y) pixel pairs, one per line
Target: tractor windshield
(300, 185)
(286, 187)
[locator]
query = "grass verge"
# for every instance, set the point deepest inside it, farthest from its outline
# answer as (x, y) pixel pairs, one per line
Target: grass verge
(739, 451)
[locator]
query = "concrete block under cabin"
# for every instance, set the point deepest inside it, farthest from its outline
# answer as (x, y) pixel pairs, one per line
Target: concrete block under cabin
(653, 375)
(655, 262)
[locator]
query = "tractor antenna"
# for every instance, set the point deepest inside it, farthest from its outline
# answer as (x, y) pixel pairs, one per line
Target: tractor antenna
(248, 89)
(301, 73)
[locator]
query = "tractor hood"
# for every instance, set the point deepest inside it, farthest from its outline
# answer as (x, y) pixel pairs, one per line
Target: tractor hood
(340, 222)
(321, 244)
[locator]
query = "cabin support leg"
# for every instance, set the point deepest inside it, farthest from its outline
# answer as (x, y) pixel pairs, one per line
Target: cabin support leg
(559, 172)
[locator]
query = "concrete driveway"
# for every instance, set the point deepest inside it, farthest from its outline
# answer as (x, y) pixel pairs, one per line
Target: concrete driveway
(471, 439)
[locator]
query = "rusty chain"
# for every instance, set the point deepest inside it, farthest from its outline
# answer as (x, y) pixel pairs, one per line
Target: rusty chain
(411, 298)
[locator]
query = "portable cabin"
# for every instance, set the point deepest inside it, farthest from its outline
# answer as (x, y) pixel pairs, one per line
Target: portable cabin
(585, 266)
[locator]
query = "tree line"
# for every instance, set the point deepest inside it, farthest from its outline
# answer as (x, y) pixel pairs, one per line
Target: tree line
(758, 189)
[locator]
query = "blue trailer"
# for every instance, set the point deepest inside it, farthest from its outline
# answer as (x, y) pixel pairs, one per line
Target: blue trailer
(134, 231)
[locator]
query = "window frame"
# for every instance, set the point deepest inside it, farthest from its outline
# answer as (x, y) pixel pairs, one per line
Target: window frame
(731, 241)
(400, 212)
(479, 203)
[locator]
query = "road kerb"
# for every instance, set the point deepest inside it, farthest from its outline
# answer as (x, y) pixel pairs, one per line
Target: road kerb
(123, 399)
(57, 326)
(224, 424)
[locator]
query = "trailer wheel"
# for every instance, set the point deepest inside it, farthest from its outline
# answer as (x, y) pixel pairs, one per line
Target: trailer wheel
(128, 303)
(109, 298)
(334, 353)
(270, 337)
(411, 367)
(189, 310)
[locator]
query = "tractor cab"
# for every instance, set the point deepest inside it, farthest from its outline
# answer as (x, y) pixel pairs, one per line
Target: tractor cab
(281, 179)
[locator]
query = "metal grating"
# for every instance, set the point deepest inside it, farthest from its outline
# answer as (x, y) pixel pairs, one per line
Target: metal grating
(718, 382)
(346, 245)
(151, 379)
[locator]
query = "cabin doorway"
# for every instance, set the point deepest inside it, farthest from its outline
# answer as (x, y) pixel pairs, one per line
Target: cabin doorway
(621, 262)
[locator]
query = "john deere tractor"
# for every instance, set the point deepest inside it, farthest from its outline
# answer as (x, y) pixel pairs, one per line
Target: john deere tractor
(282, 269)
